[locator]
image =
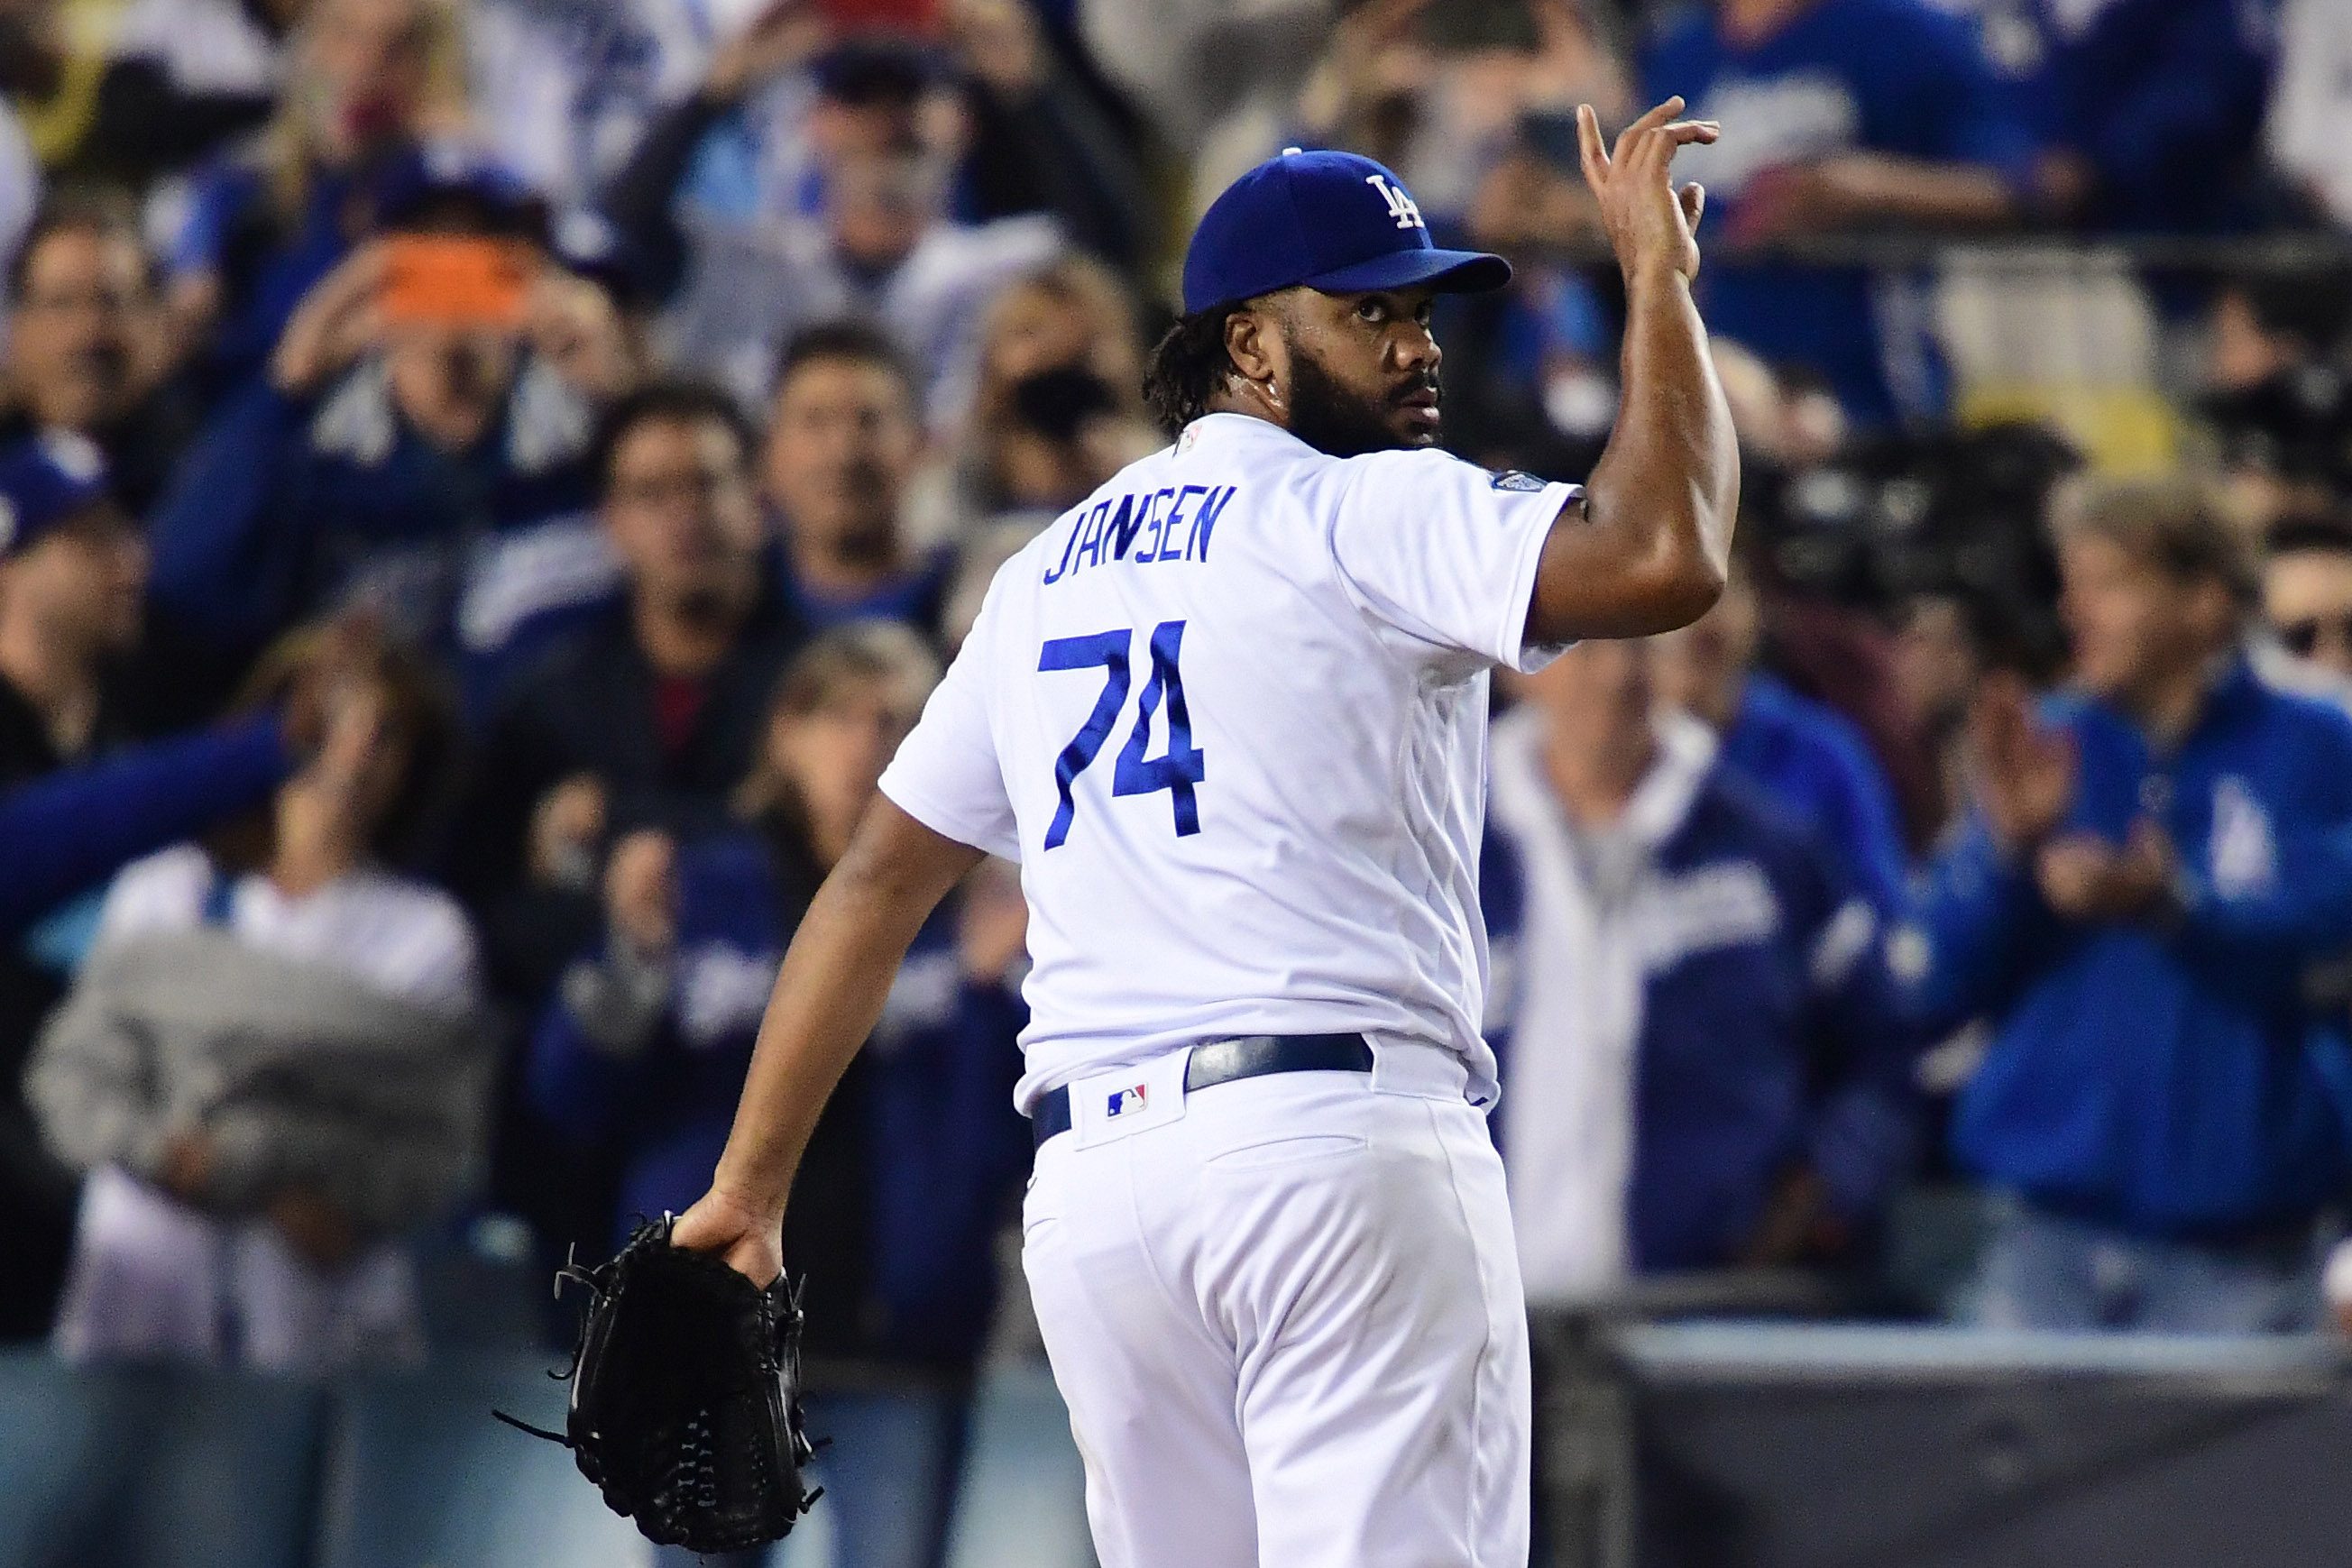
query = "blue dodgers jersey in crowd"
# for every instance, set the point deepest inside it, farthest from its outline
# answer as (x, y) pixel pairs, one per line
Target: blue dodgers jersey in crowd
(1760, 1045)
(1885, 75)
(284, 506)
(1814, 761)
(2164, 97)
(944, 1150)
(2169, 1082)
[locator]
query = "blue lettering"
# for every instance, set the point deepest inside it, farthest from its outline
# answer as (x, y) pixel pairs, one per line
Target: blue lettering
(1128, 526)
(1175, 515)
(1205, 519)
(1061, 569)
(1091, 547)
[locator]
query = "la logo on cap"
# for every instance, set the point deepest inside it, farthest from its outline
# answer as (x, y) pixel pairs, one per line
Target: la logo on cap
(1401, 207)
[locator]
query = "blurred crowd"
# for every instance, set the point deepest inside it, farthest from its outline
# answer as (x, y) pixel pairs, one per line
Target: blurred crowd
(485, 485)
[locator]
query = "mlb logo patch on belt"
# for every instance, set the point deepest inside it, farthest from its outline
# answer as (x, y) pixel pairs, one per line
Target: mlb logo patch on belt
(1128, 1100)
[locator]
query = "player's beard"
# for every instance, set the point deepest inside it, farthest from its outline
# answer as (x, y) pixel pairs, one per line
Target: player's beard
(1332, 419)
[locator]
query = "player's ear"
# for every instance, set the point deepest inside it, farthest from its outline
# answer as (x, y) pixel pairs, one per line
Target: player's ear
(1250, 334)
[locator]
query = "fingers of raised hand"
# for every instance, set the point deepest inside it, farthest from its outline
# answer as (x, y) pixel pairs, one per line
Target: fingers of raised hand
(1694, 200)
(1656, 116)
(1590, 151)
(1656, 147)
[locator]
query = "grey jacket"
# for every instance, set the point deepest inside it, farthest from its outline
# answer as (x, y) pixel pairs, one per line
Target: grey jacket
(298, 1073)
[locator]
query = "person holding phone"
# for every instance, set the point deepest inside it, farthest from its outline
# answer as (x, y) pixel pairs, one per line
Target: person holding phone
(418, 443)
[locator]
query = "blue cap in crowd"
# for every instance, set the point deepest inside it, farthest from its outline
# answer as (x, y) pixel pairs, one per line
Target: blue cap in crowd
(1332, 221)
(46, 480)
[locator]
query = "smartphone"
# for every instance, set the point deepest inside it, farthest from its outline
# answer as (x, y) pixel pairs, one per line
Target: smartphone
(455, 280)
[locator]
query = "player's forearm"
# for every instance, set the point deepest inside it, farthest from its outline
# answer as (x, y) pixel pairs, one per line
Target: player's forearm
(830, 991)
(1661, 502)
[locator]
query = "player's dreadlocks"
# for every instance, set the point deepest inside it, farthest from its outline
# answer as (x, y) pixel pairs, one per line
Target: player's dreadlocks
(1187, 368)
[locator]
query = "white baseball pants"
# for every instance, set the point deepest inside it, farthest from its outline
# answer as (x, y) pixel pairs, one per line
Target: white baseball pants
(1288, 1323)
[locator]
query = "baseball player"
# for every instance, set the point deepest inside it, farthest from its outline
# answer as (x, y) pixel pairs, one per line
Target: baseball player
(1229, 715)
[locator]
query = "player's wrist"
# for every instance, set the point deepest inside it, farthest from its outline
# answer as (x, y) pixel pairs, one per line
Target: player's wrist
(756, 1200)
(1645, 274)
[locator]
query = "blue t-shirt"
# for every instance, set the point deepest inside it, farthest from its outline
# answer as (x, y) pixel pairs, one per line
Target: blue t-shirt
(2164, 99)
(1843, 76)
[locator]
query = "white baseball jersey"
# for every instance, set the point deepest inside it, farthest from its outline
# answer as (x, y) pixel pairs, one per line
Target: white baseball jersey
(1230, 716)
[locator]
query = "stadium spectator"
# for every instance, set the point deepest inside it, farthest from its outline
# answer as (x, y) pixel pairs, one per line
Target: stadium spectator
(1838, 116)
(649, 713)
(273, 1067)
(182, 79)
(265, 221)
(85, 351)
(844, 441)
(2150, 111)
(1219, 79)
(918, 1153)
(564, 91)
(1071, 320)
(882, 243)
(2151, 882)
(1434, 90)
(1807, 759)
(72, 572)
(2277, 394)
(2307, 594)
(436, 469)
(1707, 1067)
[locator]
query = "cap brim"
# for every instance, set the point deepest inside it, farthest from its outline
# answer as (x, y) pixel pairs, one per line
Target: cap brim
(1447, 271)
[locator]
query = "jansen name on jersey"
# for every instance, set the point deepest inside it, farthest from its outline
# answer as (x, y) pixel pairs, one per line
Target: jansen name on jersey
(1229, 715)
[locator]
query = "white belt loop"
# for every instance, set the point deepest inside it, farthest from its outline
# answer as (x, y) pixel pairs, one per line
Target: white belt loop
(1417, 1068)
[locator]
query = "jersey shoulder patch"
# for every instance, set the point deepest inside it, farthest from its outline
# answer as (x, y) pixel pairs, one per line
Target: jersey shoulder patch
(1514, 479)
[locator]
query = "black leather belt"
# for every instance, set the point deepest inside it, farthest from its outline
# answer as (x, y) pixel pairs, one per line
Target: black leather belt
(1224, 1061)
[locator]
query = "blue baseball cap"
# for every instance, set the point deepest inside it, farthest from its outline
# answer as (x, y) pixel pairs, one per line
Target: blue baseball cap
(46, 480)
(1331, 221)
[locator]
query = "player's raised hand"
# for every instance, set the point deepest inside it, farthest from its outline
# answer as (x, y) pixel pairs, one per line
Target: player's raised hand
(1650, 222)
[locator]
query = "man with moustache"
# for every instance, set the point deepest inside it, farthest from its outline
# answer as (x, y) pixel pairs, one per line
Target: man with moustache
(1267, 1236)
(844, 438)
(86, 352)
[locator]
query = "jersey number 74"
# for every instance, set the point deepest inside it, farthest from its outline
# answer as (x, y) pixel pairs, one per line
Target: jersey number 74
(1176, 770)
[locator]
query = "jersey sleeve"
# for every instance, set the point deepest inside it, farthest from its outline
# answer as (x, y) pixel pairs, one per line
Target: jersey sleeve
(1445, 551)
(946, 775)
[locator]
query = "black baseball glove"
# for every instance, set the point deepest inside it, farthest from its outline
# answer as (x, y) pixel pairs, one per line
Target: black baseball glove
(686, 1396)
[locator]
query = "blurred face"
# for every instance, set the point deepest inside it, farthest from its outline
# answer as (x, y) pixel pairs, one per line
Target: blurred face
(882, 203)
(358, 774)
(840, 133)
(1034, 331)
(2307, 600)
(450, 381)
(842, 447)
(2132, 625)
(83, 585)
(681, 512)
(1598, 697)
(80, 340)
(834, 754)
(1358, 372)
(368, 62)
(1935, 662)
(1701, 667)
